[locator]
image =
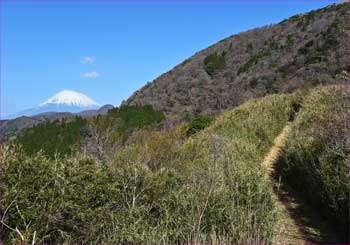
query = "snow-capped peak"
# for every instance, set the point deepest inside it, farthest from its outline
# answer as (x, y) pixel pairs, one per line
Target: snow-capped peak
(71, 98)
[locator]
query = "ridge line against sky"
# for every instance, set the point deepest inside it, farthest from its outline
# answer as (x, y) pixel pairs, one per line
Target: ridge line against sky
(107, 50)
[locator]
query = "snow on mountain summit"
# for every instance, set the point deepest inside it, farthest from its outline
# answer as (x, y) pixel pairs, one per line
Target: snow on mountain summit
(71, 98)
(64, 101)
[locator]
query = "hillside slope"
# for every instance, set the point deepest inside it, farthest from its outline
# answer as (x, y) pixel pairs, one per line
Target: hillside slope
(209, 187)
(304, 50)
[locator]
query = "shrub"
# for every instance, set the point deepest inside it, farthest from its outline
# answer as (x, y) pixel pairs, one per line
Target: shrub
(74, 200)
(253, 61)
(214, 63)
(290, 41)
(57, 199)
(197, 124)
(319, 53)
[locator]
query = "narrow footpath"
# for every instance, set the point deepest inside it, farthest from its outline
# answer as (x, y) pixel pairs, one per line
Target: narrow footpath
(300, 224)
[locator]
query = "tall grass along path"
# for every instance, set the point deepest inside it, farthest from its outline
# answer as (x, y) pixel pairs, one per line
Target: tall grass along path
(294, 227)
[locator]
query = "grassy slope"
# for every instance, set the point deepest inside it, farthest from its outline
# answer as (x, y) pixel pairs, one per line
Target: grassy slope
(221, 177)
(233, 148)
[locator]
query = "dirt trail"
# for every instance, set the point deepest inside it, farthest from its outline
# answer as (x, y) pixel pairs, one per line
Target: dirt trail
(275, 151)
(300, 224)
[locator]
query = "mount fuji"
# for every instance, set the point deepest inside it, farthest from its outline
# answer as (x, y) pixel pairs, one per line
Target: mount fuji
(64, 101)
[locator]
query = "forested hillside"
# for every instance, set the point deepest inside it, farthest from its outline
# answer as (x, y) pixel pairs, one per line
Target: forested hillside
(304, 50)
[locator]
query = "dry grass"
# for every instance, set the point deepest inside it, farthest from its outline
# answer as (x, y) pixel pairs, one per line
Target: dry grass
(288, 231)
(275, 151)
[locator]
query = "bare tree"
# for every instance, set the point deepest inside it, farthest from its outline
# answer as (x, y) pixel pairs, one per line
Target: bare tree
(102, 139)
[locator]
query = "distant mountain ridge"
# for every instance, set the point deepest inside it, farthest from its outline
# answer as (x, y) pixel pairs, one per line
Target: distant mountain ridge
(64, 101)
(12, 127)
(72, 98)
(302, 51)
(65, 104)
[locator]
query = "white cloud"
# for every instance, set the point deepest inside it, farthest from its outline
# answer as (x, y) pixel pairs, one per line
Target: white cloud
(88, 60)
(92, 74)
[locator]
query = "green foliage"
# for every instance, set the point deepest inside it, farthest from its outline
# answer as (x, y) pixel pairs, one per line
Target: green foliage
(330, 38)
(127, 118)
(306, 19)
(290, 41)
(60, 137)
(198, 124)
(253, 61)
(314, 160)
(314, 58)
(52, 137)
(249, 47)
(73, 200)
(319, 52)
(214, 63)
(294, 18)
(271, 114)
(273, 65)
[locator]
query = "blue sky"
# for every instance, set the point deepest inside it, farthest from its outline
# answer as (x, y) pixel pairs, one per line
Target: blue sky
(127, 44)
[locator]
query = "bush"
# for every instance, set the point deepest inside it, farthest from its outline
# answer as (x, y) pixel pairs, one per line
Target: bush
(253, 61)
(319, 53)
(53, 198)
(74, 200)
(214, 63)
(197, 124)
